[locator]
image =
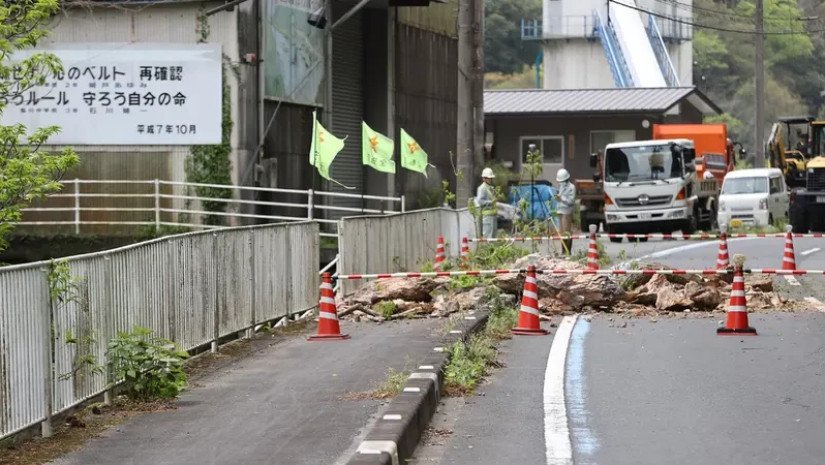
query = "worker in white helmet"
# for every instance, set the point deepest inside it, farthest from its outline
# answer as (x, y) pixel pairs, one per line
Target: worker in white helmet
(566, 201)
(486, 203)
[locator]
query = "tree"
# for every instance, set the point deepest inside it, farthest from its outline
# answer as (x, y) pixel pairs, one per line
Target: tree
(27, 172)
(504, 51)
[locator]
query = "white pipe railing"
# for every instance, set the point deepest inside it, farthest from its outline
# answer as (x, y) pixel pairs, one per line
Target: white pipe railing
(163, 207)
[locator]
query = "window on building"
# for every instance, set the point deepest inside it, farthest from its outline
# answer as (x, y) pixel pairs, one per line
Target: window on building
(551, 147)
(600, 139)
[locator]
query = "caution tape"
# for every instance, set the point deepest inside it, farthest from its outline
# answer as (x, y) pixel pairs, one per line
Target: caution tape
(561, 271)
(659, 236)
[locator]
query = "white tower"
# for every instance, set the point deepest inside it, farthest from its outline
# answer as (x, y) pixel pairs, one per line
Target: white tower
(599, 44)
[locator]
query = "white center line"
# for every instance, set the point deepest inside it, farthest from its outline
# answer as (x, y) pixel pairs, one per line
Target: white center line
(792, 280)
(556, 431)
(808, 252)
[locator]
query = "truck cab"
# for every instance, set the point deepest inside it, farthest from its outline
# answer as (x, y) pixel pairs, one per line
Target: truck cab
(651, 186)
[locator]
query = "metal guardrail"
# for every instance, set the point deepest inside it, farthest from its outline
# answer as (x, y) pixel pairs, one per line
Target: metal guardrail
(662, 56)
(613, 51)
(192, 288)
(560, 27)
(157, 203)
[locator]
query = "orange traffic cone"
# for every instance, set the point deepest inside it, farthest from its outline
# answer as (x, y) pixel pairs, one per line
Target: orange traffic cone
(328, 328)
(528, 316)
(722, 261)
(737, 319)
(439, 253)
(592, 250)
(465, 250)
(789, 258)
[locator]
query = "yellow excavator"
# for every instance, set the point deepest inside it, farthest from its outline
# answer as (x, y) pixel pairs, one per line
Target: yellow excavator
(788, 148)
(807, 210)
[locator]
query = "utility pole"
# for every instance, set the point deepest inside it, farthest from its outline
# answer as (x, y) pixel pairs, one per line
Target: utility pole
(478, 89)
(465, 113)
(760, 85)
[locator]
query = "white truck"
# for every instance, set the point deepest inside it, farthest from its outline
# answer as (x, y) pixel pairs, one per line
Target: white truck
(651, 186)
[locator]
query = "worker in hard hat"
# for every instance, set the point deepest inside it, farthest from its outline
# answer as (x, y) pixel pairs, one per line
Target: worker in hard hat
(566, 200)
(486, 203)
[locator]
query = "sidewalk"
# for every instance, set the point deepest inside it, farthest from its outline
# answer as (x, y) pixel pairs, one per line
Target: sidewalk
(281, 405)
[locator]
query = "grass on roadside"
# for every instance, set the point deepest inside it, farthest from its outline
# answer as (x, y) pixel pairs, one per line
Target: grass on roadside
(471, 360)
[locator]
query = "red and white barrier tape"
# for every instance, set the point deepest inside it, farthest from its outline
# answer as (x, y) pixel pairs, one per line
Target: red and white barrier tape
(554, 272)
(661, 236)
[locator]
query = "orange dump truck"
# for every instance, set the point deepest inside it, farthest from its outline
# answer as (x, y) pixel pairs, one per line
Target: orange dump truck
(714, 151)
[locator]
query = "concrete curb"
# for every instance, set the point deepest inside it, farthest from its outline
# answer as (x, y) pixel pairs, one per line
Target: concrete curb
(395, 435)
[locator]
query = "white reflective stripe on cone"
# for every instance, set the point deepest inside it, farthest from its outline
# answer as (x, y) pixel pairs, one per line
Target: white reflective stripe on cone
(326, 286)
(737, 308)
(327, 300)
(531, 295)
(529, 310)
(327, 315)
(737, 293)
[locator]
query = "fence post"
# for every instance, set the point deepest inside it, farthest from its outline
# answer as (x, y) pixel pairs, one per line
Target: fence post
(157, 205)
(310, 204)
(48, 371)
(217, 308)
(252, 321)
(403, 202)
(76, 206)
(107, 330)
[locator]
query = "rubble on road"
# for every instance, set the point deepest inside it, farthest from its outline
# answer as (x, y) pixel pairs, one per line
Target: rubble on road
(631, 295)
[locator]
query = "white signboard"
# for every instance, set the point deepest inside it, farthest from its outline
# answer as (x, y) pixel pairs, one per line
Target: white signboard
(126, 94)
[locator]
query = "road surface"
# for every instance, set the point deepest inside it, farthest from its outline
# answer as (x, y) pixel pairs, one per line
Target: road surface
(639, 391)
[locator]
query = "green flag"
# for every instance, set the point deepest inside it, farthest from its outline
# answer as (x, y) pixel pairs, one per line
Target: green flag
(323, 149)
(376, 150)
(412, 156)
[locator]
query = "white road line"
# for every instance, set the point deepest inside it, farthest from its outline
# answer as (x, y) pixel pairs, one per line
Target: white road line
(556, 431)
(681, 248)
(792, 280)
(808, 252)
(816, 303)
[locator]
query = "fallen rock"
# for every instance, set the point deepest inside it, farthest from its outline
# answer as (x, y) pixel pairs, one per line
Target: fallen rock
(704, 297)
(762, 283)
(668, 296)
(594, 291)
(410, 290)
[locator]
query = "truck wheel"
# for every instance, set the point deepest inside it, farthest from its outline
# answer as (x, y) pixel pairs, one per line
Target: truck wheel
(692, 223)
(615, 240)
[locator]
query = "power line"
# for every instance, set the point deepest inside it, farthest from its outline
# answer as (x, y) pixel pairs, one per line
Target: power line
(716, 28)
(730, 14)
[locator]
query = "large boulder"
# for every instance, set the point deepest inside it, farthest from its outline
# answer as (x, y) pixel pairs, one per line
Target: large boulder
(411, 290)
(704, 297)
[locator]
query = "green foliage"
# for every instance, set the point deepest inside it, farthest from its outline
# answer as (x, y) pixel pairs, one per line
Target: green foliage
(459, 283)
(26, 172)
(386, 308)
(495, 255)
(501, 320)
(504, 50)
(63, 287)
(392, 385)
(430, 198)
(150, 367)
(724, 62)
(209, 164)
(468, 363)
(150, 232)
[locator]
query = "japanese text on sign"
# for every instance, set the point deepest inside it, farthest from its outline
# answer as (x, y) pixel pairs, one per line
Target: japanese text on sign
(132, 94)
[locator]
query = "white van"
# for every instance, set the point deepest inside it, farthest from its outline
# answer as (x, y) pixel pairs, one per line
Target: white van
(756, 197)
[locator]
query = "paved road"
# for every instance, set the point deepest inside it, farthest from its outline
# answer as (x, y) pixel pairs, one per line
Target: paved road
(650, 393)
(281, 406)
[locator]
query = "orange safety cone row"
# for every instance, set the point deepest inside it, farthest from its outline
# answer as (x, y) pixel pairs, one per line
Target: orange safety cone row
(465, 250)
(789, 258)
(328, 327)
(439, 253)
(528, 316)
(592, 250)
(722, 260)
(737, 318)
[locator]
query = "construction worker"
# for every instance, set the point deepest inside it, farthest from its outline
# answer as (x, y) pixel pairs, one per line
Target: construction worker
(486, 202)
(566, 201)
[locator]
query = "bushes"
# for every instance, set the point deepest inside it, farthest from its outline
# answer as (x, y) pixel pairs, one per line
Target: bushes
(150, 367)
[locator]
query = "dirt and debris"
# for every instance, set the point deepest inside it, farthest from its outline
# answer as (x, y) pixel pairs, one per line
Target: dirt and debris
(633, 295)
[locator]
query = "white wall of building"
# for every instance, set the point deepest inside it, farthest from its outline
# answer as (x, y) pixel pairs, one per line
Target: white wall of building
(575, 62)
(166, 23)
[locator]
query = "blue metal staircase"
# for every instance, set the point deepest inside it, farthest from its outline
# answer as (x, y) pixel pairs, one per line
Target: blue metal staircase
(615, 58)
(659, 49)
